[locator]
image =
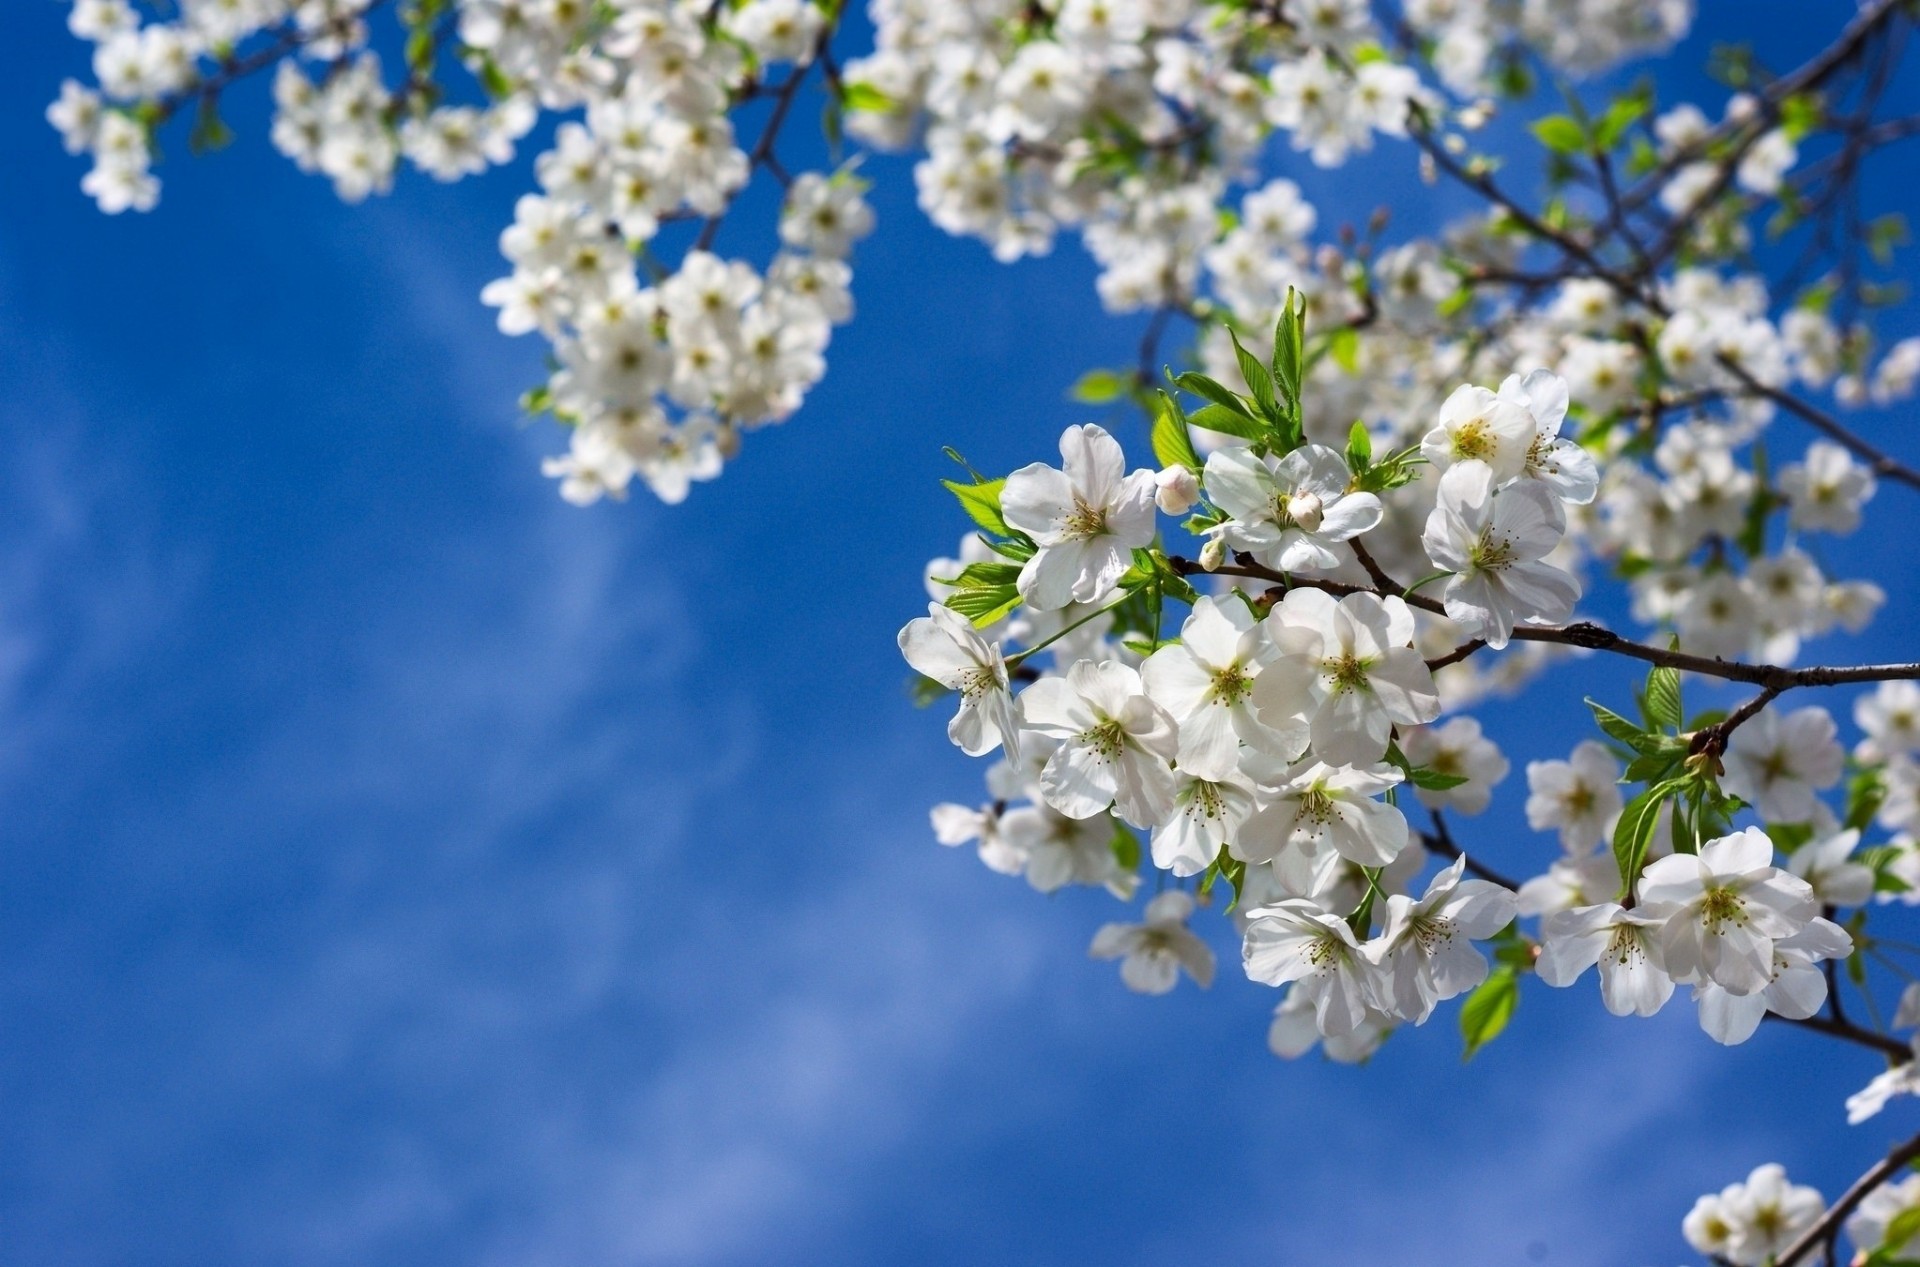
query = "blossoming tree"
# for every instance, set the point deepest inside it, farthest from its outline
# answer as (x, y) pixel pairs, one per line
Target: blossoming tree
(1386, 474)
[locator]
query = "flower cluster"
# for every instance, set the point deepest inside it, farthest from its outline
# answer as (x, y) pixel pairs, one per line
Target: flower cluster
(659, 368)
(1274, 740)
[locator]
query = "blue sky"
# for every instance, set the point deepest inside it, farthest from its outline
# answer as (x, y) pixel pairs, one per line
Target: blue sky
(400, 866)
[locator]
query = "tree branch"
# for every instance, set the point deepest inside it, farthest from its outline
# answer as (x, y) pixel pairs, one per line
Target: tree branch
(1591, 637)
(1827, 1227)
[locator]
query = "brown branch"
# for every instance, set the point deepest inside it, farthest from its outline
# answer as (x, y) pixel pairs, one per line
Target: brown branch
(1827, 1226)
(1440, 841)
(762, 154)
(1893, 1048)
(1591, 637)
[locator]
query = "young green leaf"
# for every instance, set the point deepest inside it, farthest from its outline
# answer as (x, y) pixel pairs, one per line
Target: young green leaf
(1663, 697)
(985, 606)
(864, 96)
(1488, 1009)
(1097, 387)
(982, 503)
(1560, 133)
(1172, 444)
(1634, 830)
(1617, 727)
(1259, 380)
(1359, 448)
(1225, 421)
(1201, 385)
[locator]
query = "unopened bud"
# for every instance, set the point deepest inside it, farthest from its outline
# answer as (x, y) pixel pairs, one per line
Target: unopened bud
(1474, 117)
(1176, 490)
(1741, 106)
(1429, 170)
(1306, 510)
(1213, 554)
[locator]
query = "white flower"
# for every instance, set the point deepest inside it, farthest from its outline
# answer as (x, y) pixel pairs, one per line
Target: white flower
(1295, 941)
(1310, 808)
(1116, 744)
(1827, 866)
(825, 214)
(1868, 1226)
(1766, 162)
(1204, 682)
(1152, 953)
(1776, 763)
(1580, 796)
(957, 824)
(1087, 519)
(1560, 464)
(1747, 1224)
(1478, 426)
(1571, 882)
(1061, 850)
(1493, 541)
(1176, 490)
(1349, 668)
(1293, 1032)
(1289, 512)
(1827, 490)
(1724, 908)
(1459, 749)
(1633, 973)
(1797, 989)
(1207, 814)
(1891, 718)
(1426, 952)
(777, 30)
(943, 645)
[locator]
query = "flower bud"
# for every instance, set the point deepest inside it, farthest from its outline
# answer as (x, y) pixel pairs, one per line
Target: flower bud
(1213, 554)
(1176, 490)
(1306, 510)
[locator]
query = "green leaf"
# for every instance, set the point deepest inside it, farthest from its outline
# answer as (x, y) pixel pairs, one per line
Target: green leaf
(1344, 346)
(1259, 380)
(1799, 115)
(1902, 1228)
(1634, 831)
(1647, 767)
(982, 576)
(1201, 385)
(1620, 116)
(1488, 1009)
(1865, 791)
(1616, 726)
(1359, 448)
(985, 606)
(924, 691)
(856, 95)
(494, 80)
(1226, 421)
(1126, 846)
(1172, 443)
(1433, 780)
(1289, 365)
(1663, 697)
(982, 503)
(1097, 387)
(1560, 133)
(210, 131)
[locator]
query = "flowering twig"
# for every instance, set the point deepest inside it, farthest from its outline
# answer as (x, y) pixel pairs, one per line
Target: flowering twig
(1827, 1226)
